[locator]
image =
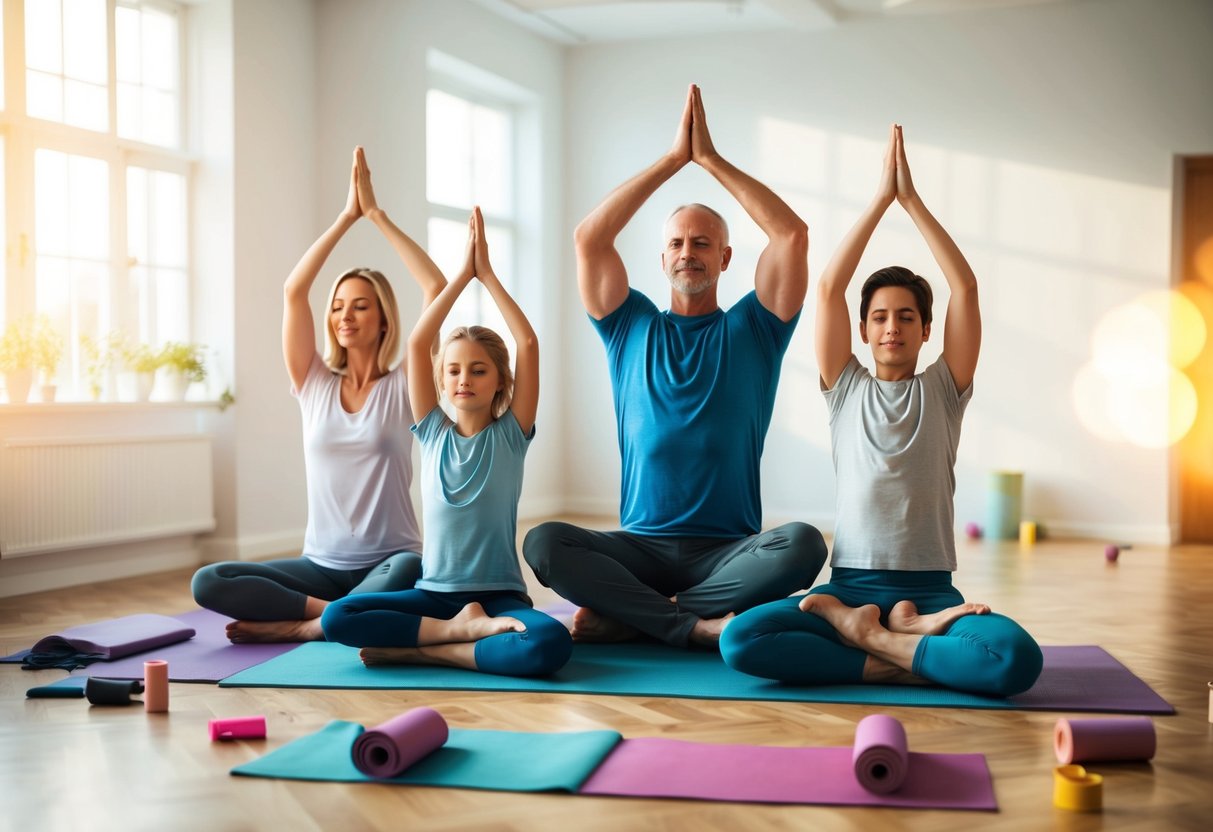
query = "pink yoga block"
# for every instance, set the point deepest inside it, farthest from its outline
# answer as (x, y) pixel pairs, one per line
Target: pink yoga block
(1104, 740)
(238, 728)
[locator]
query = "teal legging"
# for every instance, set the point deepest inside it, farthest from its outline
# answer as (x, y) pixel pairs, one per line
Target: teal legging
(391, 619)
(987, 654)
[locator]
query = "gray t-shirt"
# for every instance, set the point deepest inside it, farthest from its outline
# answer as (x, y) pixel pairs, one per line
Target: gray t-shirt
(894, 446)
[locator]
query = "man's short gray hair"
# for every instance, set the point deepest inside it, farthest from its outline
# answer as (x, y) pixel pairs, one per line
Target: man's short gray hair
(724, 224)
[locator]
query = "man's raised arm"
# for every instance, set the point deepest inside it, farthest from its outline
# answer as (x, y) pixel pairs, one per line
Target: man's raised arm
(782, 276)
(601, 275)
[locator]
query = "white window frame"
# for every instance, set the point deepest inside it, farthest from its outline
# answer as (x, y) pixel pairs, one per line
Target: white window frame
(23, 135)
(507, 225)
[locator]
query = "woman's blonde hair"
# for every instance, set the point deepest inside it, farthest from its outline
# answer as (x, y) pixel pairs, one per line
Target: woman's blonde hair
(334, 353)
(497, 352)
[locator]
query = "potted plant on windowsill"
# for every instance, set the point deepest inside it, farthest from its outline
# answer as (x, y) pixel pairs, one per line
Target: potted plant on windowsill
(47, 352)
(97, 362)
(139, 361)
(17, 360)
(184, 364)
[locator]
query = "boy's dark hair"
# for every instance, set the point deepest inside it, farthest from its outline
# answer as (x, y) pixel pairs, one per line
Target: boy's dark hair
(897, 276)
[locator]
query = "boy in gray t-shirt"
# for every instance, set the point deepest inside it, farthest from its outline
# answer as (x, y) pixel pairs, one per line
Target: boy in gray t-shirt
(890, 613)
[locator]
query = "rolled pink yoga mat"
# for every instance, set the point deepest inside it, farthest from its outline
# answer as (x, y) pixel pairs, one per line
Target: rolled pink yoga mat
(387, 750)
(1104, 740)
(881, 756)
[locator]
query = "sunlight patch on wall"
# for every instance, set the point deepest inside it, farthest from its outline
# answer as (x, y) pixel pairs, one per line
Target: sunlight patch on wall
(1133, 389)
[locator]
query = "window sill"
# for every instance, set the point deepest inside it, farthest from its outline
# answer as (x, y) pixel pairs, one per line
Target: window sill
(110, 407)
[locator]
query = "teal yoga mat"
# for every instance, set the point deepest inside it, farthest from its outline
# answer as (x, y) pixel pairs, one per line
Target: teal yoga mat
(1080, 678)
(469, 759)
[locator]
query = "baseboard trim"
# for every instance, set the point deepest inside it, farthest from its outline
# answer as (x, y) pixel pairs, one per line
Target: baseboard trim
(59, 570)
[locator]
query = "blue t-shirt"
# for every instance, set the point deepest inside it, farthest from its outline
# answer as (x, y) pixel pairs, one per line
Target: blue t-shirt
(693, 400)
(470, 487)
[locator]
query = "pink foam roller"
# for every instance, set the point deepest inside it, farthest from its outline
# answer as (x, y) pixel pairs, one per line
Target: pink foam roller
(155, 686)
(388, 749)
(238, 728)
(1104, 740)
(881, 756)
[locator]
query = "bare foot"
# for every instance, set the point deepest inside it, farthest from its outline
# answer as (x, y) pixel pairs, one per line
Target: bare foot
(878, 671)
(265, 632)
(905, 618)
(856, 625)
(589, 626)
(706, 631)
(472, 623)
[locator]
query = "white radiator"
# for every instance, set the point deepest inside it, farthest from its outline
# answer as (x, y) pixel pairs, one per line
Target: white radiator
(58, 494)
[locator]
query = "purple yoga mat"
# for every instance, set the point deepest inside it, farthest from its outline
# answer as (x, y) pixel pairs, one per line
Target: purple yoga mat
(207, 657)
(881, 757)
(655, 767)
(388, 749)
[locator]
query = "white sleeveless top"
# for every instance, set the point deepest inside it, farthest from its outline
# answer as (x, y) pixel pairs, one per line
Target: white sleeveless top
(359, 467)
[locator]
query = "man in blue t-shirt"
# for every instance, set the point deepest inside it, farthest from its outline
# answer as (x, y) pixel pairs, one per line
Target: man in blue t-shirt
(694, 388)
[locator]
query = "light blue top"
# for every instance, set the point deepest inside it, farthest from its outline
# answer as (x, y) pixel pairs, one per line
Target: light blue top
(470, 487)
(894, 446)
(693, 400)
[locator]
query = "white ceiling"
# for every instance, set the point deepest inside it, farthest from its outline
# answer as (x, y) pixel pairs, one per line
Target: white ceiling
(588, 21)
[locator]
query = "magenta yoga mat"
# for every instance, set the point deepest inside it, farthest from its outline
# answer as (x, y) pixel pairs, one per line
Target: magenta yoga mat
(658, 767)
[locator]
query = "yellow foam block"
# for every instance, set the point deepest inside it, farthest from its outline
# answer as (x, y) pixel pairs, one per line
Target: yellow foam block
(1077, 789)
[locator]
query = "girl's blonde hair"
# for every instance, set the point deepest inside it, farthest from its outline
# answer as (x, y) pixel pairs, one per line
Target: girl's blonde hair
(497, 352)
(334, 353)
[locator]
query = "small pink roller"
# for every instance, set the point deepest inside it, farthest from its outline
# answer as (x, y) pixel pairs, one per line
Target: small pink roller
(238, 728)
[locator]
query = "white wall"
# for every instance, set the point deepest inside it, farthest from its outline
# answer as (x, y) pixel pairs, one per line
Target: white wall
(1042, 137)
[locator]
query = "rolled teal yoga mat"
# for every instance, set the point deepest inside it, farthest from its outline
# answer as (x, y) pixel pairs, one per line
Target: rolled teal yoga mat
(1004, 505)
(1082, 678)
(468, 760)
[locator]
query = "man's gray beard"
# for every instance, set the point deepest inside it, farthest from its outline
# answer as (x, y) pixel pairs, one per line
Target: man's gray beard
(689, 286)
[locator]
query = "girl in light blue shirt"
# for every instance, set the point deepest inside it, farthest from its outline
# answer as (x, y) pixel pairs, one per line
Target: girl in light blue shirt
(470, 607)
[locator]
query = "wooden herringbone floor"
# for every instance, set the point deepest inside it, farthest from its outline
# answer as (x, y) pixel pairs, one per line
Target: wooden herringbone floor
(66, 766)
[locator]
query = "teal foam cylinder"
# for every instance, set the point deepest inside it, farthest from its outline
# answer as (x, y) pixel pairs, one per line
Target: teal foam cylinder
(1004, 505)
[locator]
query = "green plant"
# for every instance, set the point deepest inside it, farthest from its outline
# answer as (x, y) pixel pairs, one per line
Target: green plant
(139, 358)
(47, 348)
(96, 363)
(185, 359)
(16, 346)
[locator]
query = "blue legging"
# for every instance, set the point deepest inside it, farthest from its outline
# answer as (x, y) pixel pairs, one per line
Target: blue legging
(391, 619)
(987, 654)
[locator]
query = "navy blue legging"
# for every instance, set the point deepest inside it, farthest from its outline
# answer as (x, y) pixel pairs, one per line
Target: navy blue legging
(987, 654)
(391, 619)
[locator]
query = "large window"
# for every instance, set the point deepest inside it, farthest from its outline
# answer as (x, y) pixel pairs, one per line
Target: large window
(469, 162)
(96, 178)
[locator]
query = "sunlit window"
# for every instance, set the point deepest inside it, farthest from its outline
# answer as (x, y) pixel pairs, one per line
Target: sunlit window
(148, 70)
(72, 246)
(469, 161)
(66, 62)
(95, 212)
(156, 250)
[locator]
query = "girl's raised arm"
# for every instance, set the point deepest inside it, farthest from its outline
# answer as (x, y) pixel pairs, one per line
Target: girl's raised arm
(423, 393)
(525, 403)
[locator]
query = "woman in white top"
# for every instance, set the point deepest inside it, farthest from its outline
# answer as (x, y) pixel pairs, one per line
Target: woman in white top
(362, 533)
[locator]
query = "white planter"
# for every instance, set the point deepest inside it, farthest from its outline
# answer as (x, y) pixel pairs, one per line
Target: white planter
(47, 392)
(178, 386)
(17, 384)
